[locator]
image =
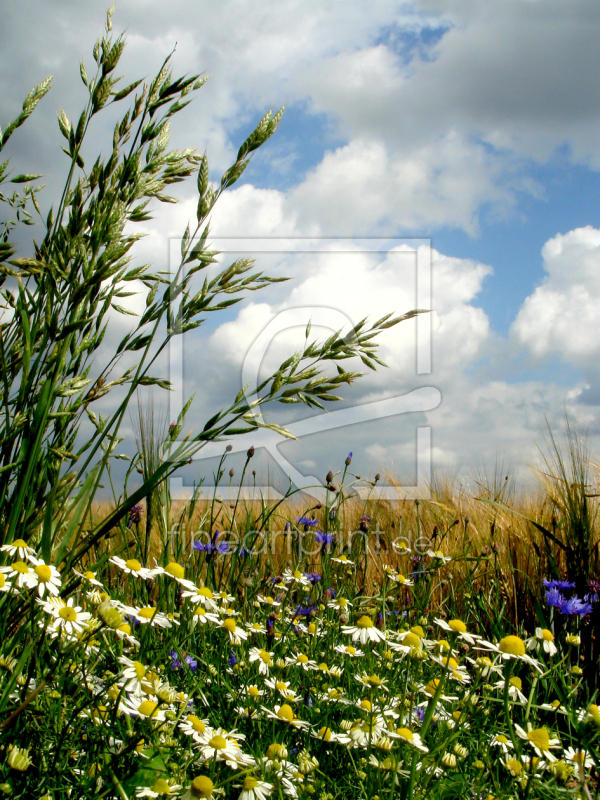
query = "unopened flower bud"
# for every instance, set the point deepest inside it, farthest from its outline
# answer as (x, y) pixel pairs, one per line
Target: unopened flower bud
(377, 477)
(250, 452)
(348, 460)
(231, 473)
(229, 448)
(329, 477)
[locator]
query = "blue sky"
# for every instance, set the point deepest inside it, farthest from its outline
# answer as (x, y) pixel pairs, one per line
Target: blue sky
(470, 124)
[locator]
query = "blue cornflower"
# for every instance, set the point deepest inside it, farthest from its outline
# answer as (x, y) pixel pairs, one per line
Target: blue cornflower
(304, 611)
(313, 577)
(556, 584)
(576, 606)
(212, 546)
(307, 522)
(232, 660)
(323, 538)
(554, 598)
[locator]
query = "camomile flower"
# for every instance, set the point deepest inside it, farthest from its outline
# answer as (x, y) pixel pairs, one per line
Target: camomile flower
(134, 676)
(514, 689)
(340, 604)
(485, 666)
(236, 634)
(90, 577)
(302, 661)
(268, 601)
(579, 758)
(146, 709)
(296, 577)
(401, 546)
(539, 739)
(543, 638)
(343, 559)
(555, 706)
(202, 786)
(5, 586)
(132, 567)
(149, 615)
(20, 574)
(285, 713)
(364, 631)
(256, 627)
(510, 647)
(176, 572)
(67, 617)
(458, 626)
(19, 548)
(253, 789)
(438, 555)
(283, 687)
(263, 658)
(431, 688)
(412, 738)
(327, 735)
(368, 730)
(397, 577)
(48, 577)
(202, 595)
(372, 682)
(349, 650)
(160, 788)
(195, 727)
(224, 746)
(334, 695)
(225, 599)
(501, 741)
(201, 616)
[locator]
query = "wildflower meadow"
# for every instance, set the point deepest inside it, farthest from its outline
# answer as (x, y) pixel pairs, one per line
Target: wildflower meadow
(351, 648)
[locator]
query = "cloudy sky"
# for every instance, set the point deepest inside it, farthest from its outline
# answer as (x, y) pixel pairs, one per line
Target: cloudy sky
(462, 131)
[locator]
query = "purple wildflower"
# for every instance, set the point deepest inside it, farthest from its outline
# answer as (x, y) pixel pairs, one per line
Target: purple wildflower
(555, 584)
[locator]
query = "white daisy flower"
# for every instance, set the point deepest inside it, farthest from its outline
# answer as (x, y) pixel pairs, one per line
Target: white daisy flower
(149, 615)
(340, 604)
(438, 555)
(67, 616)
(396, 576)
(48, 577)
(372, 682)
(364, 631)
(510, 647)
(176, 572)
(253, 789)
(196, 728)
(132, 567)
(514, 689)
(18, 547)
(160, 788)
(539, 739)
(458, 626)
(302, 661)
(412, 738)
(263, 658)
(202, 595)
(327, 735)
(90, 577)
(579, 758)
(296, 577)
(349, 650)
(20, 574)
(543, 638)
(146, 709)
(236, 633)
(283, 687)
(224, 746)
(285, 713)
(343, 559)
(202, 616)
(501, 741)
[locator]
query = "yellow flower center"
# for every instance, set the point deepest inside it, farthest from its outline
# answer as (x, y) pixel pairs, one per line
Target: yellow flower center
(147, 708)
(200, 612)
(2, 581)
(514, 766)
(297, 574)
(539, 738)
(501, 739)
(133, 564)
(89, 575)
(365, 705)
(418, 631)
(400, 578)
(512, 646)
(432, 687)
(451, 663)
(302, 659)
(325, 734)
(229, 625)
(281, 687)
(161, 787)
(373, 680)
(516, 682)
(265, 656)
(555, 704)
(312, 628)
(250, 782)
(342, 602)
(253, 691)
(202, 786)
(351, 650)
(196, 723)
(205, 592)
(19, 543)
(68, 614)
(547, 635)
(147, 613)
(457, 625)
(412, 640)
(285, 713)
(579, 757)
(405, 734)
(175, 570)
(43, 572)
(20, 566)
(273, 749)
(125, 628)
(140, 669)
(343, 558)
(269, 600)
(218, 743)
(364, 622)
